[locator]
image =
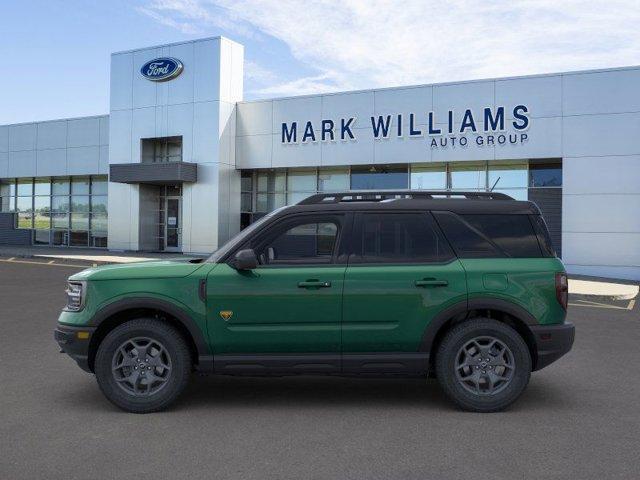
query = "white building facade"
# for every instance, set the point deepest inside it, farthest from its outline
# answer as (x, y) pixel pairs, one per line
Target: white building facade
(181, 163)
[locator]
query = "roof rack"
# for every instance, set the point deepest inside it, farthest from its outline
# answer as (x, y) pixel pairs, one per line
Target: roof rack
(379, 196)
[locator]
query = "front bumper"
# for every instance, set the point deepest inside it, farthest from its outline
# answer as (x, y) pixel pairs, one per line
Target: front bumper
(552, 342)
(75, 341)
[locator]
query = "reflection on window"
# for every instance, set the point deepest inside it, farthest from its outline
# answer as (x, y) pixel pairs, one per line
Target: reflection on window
(79, 221)
(99, 204)
(265, 190)
(301, 184)
(80, 186)
(58, 210)
(333, 179)
(25, 187)
(42, 212)
(7, 195)
(306, 243)
(161, 150)
(429, 177)
(42, 186)
(380, 177)
(468, 176)
(80, 203)
(400, 237)
(545, 175)
(509, 175)
(60, 186)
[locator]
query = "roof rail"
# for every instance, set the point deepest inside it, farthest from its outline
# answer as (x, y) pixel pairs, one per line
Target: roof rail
(378, 196)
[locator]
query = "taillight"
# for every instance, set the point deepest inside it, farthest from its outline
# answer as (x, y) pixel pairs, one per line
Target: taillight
(562, 289)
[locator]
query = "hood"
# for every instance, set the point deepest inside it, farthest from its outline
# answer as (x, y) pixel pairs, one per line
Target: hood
(139, 270)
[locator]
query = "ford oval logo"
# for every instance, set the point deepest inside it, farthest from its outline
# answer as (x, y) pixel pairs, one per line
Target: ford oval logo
(162, 69)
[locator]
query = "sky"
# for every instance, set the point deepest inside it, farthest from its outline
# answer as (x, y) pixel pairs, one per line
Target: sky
(55, 53)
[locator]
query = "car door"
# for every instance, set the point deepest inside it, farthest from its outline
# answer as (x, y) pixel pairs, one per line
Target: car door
(291, 304)
(401, 273)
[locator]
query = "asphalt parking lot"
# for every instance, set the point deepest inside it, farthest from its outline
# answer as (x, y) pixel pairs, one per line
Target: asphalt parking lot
(579, 418)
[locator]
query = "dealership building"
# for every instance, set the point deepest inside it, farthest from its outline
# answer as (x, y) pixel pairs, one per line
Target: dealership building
(182, 163)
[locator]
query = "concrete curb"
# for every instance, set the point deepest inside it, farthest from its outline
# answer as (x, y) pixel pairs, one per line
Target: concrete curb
(597, 289)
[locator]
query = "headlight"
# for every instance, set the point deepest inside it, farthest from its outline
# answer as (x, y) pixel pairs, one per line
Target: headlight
(75, 296)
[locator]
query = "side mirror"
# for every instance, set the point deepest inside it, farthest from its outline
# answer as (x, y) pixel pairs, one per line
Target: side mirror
(245, 260)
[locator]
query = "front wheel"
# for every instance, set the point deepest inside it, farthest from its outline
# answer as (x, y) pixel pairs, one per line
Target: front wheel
(483, 365)
(143, 365)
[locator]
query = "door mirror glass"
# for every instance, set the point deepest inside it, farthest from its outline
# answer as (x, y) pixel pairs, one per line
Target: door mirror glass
(245, 260)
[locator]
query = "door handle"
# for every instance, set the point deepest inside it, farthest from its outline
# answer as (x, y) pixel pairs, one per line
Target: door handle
(314, 284)
(431, 282)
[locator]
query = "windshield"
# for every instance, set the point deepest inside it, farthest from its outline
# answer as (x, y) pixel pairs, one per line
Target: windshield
(240, 237)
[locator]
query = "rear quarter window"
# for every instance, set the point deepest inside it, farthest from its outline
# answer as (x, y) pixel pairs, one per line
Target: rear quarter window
(490, 235)
(543, 235)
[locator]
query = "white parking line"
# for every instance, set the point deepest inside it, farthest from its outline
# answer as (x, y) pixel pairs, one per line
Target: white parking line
(47, 264)
(592, 304)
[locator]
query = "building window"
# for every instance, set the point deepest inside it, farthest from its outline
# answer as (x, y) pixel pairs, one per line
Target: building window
(60, 211)
(246, 198)
(301, 184)
(333, 179)
(161, 150)
(509, 178)
(7, 195)
(266, 190)
(468, 176)
(263, 191)
(271, 190)
(545, 174)
(429, 177)
(380, 177)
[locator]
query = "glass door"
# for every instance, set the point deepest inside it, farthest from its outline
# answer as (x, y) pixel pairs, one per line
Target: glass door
(173, 226)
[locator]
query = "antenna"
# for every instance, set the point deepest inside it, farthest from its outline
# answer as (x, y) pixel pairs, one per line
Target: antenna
(494, 185)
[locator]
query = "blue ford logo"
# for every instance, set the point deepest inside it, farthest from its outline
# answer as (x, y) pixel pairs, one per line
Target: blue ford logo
(162, 69)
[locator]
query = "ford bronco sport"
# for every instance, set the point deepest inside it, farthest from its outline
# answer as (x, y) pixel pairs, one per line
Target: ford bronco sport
(464, 286)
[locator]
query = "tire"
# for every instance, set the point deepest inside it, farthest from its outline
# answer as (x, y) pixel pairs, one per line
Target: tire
(143, 365)
(492, 385)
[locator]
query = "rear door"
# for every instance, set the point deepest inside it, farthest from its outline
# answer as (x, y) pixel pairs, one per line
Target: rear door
(401, 273)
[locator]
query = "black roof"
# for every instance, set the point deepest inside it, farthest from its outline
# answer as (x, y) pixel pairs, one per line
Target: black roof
(457, 202)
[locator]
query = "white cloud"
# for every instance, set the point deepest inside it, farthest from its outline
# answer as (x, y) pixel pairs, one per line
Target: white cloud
(195, 16)
(184, 27)
(355, 44)
(325, 82)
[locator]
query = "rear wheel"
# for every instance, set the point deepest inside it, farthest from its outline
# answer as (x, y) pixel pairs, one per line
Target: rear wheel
(143, 365)
(483, 365)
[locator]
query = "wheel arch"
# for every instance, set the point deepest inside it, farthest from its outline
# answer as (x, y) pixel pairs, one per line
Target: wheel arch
(120, 311)
(502, 310)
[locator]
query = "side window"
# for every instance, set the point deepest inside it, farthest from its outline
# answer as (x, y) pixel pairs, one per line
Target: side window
(399, 238)
(467, 242)
(543, 235)
(302, 242)
(490, 235)
(514, 234)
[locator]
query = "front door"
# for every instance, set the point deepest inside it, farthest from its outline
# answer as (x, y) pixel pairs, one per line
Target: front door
(173, 225)
(285, 314)
(400, 274)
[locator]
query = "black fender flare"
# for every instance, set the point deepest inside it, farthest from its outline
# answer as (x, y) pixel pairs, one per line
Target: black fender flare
(464, 307)
(129, 303)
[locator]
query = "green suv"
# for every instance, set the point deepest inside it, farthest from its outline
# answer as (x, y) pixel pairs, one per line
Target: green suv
(462, 286)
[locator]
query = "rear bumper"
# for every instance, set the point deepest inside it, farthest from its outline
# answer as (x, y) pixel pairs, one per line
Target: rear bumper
(552, 342)
(77, 347)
